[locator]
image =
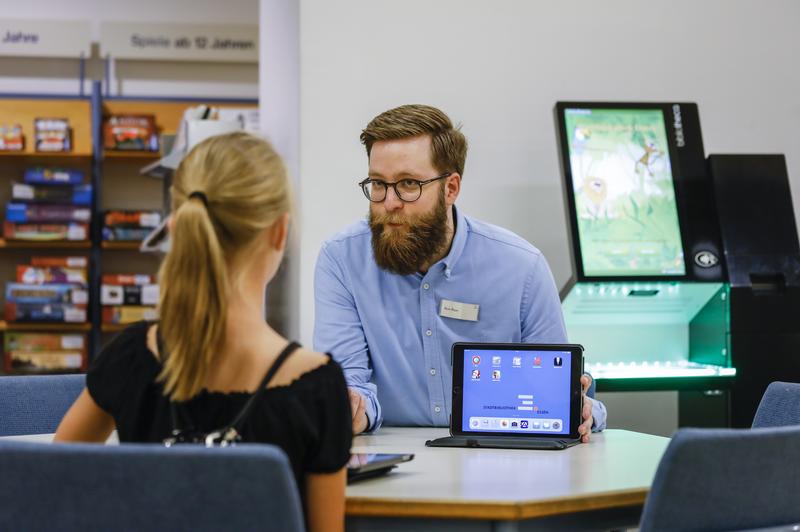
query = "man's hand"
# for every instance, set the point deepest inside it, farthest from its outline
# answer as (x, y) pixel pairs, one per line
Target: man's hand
(585, 429)
(358, 407)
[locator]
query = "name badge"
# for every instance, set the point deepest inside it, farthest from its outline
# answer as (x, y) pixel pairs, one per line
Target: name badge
(459, 311)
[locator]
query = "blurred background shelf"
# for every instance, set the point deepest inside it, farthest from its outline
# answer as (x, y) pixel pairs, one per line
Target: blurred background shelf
(117, 184)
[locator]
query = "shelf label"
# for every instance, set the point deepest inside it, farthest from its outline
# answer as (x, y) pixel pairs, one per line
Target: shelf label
(179, 42)
(45, 38)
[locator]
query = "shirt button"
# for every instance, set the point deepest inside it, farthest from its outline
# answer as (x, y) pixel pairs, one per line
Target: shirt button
(428, 332)
(437, 409)
(433, 371)
(426, 286)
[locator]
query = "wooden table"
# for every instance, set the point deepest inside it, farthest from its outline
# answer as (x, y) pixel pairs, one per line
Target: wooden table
(603, 483)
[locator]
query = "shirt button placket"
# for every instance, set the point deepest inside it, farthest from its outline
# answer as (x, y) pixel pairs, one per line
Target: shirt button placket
(428, 316)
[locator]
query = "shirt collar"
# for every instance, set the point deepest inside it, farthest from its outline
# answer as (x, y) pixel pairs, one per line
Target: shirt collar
(459, 241)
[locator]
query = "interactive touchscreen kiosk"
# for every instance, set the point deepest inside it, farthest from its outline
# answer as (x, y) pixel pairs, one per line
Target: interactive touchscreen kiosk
(649, 302)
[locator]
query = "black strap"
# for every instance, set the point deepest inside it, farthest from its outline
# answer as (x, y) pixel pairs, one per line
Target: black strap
(242, 415)
(288, 350)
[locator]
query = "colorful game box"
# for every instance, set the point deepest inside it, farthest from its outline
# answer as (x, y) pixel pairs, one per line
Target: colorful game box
(27, 362)
(130, 133)
(45, 232)
(33, 213)
(11, 137)
(41, 175)
(124, 314)
(52, 134)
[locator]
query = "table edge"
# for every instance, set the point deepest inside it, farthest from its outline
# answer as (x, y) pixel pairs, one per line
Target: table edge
(513, 510)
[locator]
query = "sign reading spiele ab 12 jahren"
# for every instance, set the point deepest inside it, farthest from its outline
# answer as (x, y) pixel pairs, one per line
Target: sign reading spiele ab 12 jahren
(179, 42)
(44, 38)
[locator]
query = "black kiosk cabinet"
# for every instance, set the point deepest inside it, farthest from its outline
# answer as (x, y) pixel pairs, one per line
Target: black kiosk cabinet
(687, 270)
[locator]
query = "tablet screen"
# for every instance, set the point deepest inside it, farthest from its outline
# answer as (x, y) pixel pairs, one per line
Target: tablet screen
(517, 391)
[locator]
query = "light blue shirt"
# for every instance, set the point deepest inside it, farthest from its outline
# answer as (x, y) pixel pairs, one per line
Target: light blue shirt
(385, 329)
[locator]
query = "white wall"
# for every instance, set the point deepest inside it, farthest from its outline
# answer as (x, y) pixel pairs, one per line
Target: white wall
(499, 66)
(133, 78)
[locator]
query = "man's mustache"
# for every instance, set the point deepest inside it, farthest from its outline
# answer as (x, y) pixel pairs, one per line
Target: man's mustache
(386, 220)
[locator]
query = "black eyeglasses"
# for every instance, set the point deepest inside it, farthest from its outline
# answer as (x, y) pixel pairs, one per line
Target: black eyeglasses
(407, 190)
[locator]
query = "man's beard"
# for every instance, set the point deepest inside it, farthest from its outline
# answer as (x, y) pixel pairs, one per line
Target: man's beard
(405, 250)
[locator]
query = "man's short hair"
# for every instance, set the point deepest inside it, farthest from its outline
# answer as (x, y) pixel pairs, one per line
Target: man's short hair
(448, 144)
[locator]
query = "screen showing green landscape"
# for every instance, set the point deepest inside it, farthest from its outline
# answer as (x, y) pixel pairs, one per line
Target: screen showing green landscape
(624, 195)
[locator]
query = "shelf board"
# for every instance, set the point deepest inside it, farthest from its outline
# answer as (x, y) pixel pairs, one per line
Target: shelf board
(131, 155)
(113, 327)
(45, 326)
(112, 244)
(45, 244)
(653, 384)
(45, 154)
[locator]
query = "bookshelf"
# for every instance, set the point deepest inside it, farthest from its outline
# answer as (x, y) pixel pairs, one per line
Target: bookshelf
(23, 110)
(116, 181)
(123, 187)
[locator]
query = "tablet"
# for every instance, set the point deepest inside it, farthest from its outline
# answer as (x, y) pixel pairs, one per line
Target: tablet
(517, 390)
(362, 465)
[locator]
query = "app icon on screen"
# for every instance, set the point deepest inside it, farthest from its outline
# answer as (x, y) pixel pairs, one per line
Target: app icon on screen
(545, 424)
(537, 362)
(536, 424)
(503, 423)
(476, 374)
(496, 361)
(523, 424)
(476, 360)
(556, 425)
(514, 424)
(558, 362)
(516, 362)
(496, 375)
(474, 423)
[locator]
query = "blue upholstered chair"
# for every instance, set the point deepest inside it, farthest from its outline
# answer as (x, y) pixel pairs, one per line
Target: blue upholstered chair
(780, 406)
(84, 487)
(35, 404)
(724, 479)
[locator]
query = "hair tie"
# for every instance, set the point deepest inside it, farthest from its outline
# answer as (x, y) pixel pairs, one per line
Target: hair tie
(201, 196)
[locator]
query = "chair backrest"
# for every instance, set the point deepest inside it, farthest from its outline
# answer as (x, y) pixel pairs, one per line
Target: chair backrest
(726, 479)
(85, 487)
(35, 404)
(780, 406)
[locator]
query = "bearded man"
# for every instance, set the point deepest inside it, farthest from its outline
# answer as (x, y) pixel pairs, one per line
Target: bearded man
(381, 286)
